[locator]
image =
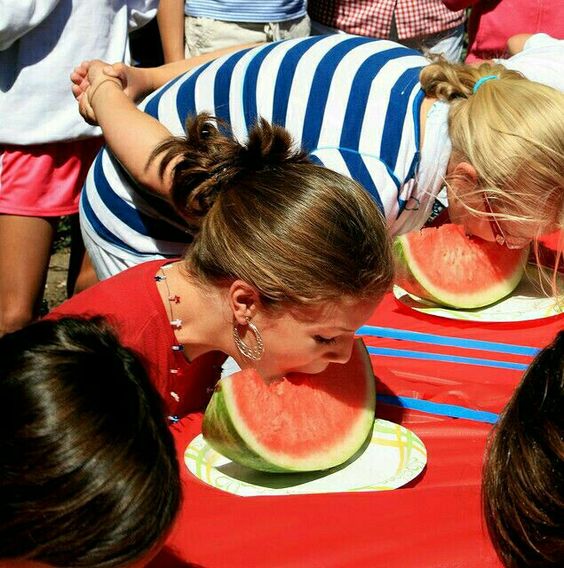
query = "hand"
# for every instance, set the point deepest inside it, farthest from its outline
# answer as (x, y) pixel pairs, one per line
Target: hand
(79, 79)
(135, 80)
(85, 80)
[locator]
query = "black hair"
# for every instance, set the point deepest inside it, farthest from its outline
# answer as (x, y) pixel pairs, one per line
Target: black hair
(523, 486)
(88, 468)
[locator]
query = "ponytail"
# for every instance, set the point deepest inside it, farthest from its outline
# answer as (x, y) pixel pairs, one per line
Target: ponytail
(211, 161)
(264, 213)
(448, 81)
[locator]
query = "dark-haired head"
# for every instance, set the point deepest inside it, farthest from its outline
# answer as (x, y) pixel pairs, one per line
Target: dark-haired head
(523, 487)
(299, 233)
(88, 469)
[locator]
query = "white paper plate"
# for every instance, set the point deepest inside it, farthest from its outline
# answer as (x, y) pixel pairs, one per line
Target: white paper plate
(393, 457)
(526, 302)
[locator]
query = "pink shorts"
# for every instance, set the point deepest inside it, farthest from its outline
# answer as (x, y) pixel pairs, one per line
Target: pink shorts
(44, 180)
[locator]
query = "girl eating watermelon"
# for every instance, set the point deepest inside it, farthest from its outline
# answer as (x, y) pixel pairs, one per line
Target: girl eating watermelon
(288, 260)
(399, 124)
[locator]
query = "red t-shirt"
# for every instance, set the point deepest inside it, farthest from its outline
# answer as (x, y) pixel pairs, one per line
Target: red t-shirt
(131, 303)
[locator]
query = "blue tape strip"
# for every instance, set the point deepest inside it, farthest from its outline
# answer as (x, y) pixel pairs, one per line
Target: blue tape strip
(451, 410)
(461, 342)
(405, 354)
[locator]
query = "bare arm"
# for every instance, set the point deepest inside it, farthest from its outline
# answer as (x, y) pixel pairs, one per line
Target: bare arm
(106, 96)
(516, 43)
(131, 134)
(170, 17)
(157, 76)
(138, 82)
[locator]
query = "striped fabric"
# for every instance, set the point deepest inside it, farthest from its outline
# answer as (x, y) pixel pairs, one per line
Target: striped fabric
(353, 102)
(246, 10)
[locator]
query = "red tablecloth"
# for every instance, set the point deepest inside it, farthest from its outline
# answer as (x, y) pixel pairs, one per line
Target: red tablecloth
(434, 521)
(474, 371)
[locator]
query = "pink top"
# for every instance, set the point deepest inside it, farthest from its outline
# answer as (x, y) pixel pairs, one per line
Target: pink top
(493, 22)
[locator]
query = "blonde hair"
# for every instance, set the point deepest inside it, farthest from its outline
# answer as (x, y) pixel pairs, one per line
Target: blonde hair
(511, 130)
(298, 232)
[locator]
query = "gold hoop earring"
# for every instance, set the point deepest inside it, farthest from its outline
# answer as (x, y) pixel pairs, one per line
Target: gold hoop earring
(251, 353)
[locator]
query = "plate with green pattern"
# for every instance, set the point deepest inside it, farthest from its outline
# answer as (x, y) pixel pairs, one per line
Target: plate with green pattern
(527, 302)
(390, 458)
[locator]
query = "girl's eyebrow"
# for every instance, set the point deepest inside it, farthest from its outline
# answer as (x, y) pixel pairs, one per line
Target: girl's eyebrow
(337, 328)
(345, 329)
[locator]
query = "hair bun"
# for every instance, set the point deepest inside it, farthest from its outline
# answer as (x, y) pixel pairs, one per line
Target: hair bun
(270, 145)
(208, 160)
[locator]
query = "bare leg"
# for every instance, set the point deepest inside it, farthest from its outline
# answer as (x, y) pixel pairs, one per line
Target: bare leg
(81, 272)
(25, 249)
(87, 275)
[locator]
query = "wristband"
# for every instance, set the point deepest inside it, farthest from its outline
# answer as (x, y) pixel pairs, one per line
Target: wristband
(112, 79)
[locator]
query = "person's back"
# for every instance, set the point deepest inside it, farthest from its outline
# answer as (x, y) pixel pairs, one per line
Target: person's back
(373, 110)
(352, 102)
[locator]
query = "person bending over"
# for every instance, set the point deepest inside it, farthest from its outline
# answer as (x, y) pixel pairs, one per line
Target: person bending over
(288, 260)
(401, 125)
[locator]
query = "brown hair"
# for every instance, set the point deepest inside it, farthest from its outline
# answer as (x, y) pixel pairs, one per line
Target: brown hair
(511, 130)
(88, 469)
(298, 232)
(523, 485)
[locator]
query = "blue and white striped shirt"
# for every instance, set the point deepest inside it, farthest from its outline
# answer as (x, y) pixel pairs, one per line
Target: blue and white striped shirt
(352, 102)
(246, 10)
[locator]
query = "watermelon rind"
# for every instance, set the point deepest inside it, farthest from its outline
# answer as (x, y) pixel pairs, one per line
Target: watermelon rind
(412, 277)
(221, 434)
(226, 432)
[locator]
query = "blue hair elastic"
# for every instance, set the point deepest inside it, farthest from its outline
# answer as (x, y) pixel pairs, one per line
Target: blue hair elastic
(481, 81)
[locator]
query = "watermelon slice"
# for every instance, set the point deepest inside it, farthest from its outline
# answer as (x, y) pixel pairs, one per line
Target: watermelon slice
(299, 423)
(450, 268)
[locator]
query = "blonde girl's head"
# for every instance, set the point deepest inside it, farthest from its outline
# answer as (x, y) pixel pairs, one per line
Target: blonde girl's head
(299, 233)
(510, 131)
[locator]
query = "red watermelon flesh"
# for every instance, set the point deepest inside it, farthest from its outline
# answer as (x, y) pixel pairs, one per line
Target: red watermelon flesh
(450, 268)
(298, 423)
(548, 251)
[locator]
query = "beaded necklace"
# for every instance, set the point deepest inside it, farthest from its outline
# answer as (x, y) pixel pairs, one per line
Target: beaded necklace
(176, 323)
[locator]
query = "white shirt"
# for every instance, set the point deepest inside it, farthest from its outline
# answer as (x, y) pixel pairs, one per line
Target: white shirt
(41, 41)
(541, 60)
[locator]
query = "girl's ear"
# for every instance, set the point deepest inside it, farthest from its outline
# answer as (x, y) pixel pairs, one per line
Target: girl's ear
(243, 300)
(464, 178)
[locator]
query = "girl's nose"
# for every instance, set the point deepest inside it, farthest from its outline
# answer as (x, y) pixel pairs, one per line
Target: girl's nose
(341, 352)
